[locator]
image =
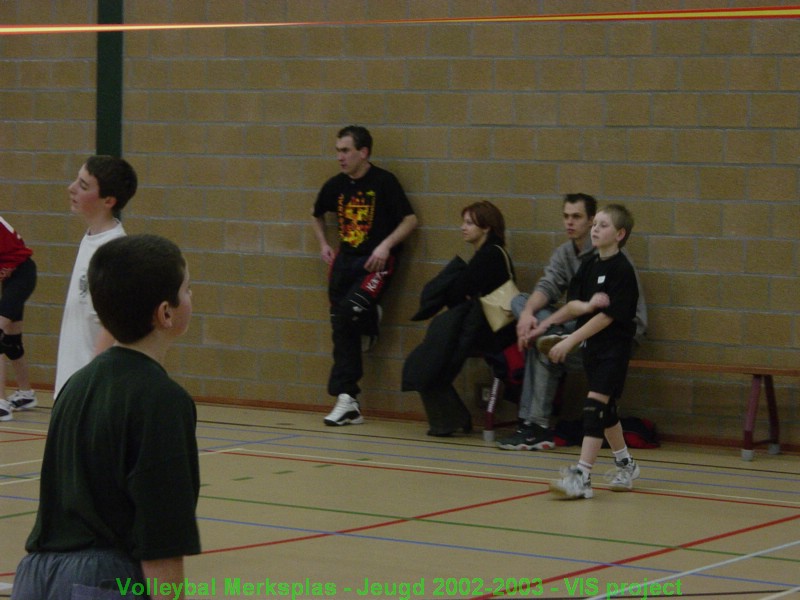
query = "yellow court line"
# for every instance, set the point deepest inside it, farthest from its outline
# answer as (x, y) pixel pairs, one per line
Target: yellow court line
(786, 12)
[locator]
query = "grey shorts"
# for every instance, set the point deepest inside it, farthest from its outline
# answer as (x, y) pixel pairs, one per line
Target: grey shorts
(81, 575)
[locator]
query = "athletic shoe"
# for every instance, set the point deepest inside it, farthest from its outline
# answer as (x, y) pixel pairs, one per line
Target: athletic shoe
(528, 437)
(545, 343)
(5, 410)
(345, 412)
(622, 476)
(23, 400)
(573, 484)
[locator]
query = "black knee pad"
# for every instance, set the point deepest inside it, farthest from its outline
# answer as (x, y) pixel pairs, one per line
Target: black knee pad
(611, 418)
(594, 417)
(11, 346)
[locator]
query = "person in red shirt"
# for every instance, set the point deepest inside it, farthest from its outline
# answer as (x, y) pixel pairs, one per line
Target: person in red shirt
(18, 280)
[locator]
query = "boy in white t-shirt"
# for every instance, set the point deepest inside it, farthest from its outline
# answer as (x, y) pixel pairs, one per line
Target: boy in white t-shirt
(104, 186)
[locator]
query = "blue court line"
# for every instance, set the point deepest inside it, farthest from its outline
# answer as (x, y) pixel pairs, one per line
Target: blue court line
(478, 549)
(20, 498)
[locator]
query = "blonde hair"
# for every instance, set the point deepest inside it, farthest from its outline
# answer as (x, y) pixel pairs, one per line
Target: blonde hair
(621, 217)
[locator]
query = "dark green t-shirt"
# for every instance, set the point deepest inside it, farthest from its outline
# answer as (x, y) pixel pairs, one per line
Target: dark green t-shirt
(120, 465)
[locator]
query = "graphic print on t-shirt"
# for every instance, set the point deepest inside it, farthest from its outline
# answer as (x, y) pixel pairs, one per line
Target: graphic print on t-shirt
(356, 215)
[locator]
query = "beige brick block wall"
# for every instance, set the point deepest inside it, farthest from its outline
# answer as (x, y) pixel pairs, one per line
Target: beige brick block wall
(693, 124)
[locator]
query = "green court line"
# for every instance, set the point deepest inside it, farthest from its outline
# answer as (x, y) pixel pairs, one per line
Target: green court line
(15, 515)
(19, 477)
(494, 528)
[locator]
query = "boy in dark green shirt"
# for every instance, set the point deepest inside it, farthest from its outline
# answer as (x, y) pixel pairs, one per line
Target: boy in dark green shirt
(120, 476)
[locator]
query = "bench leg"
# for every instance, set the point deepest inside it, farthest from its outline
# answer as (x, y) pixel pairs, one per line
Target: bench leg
(750, 418)
(774, 425)
(752, 410)
(488, 419)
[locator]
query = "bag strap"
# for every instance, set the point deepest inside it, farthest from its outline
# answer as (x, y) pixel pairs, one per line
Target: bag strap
(508, 262)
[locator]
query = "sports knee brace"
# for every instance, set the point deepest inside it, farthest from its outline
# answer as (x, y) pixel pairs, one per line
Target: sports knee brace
(11, 346)
(611, 414)
(595, 416)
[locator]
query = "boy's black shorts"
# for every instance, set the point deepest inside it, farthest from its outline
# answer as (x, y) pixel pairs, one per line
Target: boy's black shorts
(606, 366)
(16, 289)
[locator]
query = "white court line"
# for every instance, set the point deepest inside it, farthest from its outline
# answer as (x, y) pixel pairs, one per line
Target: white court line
(705, 568)
(19, 480)
(37, 478)
(23, 430)
(5, 586)
(782, 594)
(24, 462)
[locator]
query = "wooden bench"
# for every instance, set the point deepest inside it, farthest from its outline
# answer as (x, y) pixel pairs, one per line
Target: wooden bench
(761, 376)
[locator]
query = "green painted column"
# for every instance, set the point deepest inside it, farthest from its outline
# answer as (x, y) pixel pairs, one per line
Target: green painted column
(108, 137)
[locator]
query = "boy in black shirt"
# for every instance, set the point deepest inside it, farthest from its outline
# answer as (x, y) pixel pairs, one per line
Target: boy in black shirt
(603, 296)
(120, 477)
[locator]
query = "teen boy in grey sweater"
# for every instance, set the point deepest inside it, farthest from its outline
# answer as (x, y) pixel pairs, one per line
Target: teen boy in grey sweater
(541, 376)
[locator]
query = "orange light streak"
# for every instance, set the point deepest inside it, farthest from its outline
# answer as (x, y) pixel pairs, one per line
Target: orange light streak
(785, 12)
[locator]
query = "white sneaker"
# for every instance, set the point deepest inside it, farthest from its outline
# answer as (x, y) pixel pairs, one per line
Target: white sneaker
(5, 410)
(622, 476)
(573, 484)
(345, 412)
(23, 399)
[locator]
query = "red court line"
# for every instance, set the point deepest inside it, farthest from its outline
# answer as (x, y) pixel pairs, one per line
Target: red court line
(457, 509)
(777, 12)
(384, 467)
(377, 525)
(23, 437)
(500, 478)
(662, 551)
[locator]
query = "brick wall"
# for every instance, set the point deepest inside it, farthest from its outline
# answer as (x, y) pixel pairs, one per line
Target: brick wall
(693, 124)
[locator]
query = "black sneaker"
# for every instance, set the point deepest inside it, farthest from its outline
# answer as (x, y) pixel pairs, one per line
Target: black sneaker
(528, 437)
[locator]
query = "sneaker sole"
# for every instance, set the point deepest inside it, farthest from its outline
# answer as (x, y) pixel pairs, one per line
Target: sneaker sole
(563, 495)
(625, 488)
(523, 446)
(27, 406)
(511, 446)
(345, 421)
(620, 488)
(545, 343)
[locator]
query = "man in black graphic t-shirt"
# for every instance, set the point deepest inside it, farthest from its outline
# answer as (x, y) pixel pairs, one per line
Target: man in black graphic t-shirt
(373, 216)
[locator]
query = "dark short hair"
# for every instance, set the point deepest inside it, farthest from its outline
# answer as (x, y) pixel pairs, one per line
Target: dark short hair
(485, 214)
(115, 177)
(129, 277)
(589, 202)
(621, 217)
(361, 136)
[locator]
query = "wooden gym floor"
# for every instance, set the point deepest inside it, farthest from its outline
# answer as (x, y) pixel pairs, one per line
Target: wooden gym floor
(291, 508)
